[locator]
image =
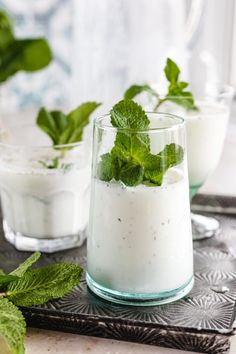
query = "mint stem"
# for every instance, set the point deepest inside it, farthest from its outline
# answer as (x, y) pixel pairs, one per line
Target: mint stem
(159, 102)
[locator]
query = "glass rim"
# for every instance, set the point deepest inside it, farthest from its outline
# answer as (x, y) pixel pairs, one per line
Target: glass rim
(179, 122)
(34, 147)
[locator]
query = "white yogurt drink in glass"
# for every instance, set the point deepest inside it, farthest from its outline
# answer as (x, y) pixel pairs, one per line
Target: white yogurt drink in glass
(44, 191)
(205, 132)
(139, 238)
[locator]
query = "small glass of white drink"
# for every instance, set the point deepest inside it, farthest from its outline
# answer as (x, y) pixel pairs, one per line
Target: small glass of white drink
(139, 237)
(206, 131)
(44, 190)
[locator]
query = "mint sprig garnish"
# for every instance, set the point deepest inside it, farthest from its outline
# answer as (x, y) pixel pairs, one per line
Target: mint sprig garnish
(66, 128)
(130, 160)
(25, 287)
(20, 54)
(176, 90)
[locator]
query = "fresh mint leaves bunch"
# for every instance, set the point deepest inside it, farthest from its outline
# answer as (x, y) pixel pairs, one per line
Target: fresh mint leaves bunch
(20, 54)
(27, 287)
(130, 160)
(66, 128)
(176, 91)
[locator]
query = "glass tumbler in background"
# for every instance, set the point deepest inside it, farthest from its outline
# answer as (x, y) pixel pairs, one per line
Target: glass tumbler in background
(44, 191)
(139, 238)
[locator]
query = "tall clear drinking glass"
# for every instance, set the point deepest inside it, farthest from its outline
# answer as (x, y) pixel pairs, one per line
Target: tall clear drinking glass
(139, 238)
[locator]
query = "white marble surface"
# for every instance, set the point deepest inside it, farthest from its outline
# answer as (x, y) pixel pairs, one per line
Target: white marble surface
(41, 341)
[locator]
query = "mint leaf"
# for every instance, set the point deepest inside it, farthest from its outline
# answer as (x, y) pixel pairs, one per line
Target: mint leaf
(176, 90)
(6, 279)
(132, 174)
(20, 54)
(135, 90)
(38, 286)
(25, 287)
(106, 168)
(23, 267)
(157, 165)
(109, 167)
(77, 121)
(171, 71)
(24, 55)
(130, 159)
(6, 30)
(129, 115)
(154, 169)
(172, 154)
(46, 122)
(12, 328)
(65, 129)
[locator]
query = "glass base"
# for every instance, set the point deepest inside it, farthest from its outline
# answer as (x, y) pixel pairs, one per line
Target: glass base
(137, 299)
(204, 227)
(50, 245)
(193, 191)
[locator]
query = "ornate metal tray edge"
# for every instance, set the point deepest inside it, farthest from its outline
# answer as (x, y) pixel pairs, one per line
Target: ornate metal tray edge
(185, 340)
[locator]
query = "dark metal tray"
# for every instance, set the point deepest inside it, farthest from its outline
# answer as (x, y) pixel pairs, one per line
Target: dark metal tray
(202, 322)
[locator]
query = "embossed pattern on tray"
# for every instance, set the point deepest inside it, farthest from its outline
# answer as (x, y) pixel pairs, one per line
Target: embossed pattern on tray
(200, 322)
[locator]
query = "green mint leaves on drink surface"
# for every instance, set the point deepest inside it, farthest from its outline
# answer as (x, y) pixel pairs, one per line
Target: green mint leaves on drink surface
(66, 128)
(16, 55)
(176, 91)
(25, 286)
(130, 160)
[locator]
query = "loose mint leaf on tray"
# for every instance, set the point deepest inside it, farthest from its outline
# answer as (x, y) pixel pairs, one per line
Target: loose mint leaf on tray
(6, 279)
(12, 328)
(26, 287)
(40, 285)
(23, 267)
